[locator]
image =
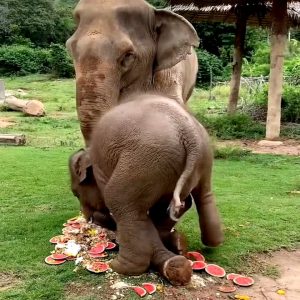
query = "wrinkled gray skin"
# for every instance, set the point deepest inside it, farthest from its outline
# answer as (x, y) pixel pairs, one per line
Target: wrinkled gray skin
(92, 205)
(138, 152)
(124, 46)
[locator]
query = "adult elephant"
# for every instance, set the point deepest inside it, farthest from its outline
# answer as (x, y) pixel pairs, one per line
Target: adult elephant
(123, 46)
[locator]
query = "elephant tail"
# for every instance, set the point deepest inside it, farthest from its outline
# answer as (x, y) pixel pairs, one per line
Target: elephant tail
(192, 157)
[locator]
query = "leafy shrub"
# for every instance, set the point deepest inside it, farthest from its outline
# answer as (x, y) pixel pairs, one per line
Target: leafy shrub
(233, 153)
(232, 127)
(290, 104)
(209, 64)
(61, 62)
(23, 59)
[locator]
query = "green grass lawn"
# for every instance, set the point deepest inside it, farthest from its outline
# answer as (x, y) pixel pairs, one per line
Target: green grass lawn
(258, 215)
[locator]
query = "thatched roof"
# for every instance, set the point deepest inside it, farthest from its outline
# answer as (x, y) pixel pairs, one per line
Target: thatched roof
(217, 2)
(259, 14)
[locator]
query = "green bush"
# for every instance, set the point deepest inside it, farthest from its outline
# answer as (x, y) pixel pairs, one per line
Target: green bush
(23, 59)
(209, 65)
(61, 62)
(228, 127)
(26, 59)
(290, 104)
(233, 153)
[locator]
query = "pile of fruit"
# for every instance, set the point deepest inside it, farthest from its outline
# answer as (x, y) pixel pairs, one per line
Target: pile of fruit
(199, 264)
(90, 247)
(85, 243)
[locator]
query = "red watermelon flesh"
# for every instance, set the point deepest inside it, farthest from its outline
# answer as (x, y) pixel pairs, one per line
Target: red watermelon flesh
(140, 291)
(98, 267)
(100, 255)
(195, 256)
(215, 270)
(58, 256)
(243, 281)
(149, 287)
(231, 276)
(97, 250)
(58, 239)
(110, 246)
(227, 288)
(50, 261)
(198, 265)
(104, 244)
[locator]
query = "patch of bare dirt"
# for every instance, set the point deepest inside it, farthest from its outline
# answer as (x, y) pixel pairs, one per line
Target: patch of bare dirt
(6, 122)
(289, 147)
(78, 291)
(266, 288)
(8, 281)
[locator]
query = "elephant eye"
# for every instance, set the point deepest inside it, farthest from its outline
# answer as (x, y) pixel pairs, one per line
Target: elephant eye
(127, 60)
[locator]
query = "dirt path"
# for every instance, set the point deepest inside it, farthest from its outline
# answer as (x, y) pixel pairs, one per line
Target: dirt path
(289, 147)
(266, 288)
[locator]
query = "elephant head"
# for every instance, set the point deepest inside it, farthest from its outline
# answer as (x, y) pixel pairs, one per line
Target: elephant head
(84, 187)
(117, 48)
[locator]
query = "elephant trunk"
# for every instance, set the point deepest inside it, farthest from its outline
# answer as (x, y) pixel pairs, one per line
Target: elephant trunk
(95, 95)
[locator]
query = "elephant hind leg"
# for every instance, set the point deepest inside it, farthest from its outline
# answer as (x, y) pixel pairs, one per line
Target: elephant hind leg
(209, 219)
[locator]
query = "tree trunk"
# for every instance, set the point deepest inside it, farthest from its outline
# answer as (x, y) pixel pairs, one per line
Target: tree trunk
(241, 25)
(29, 107)
(278, 43)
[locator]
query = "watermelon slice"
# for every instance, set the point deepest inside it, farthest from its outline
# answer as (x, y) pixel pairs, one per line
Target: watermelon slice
(140, 291)
(215, 270)
(195, 256)
(110, 246)
(227, 288)
(58, 239)
(198, 265)
(70, 258)
(243, 281)
(58, 256)
(105, 244)
(231, 276)
(98, 267)
(100, 255)
(97, 250)
(149, 287)
(50, 261)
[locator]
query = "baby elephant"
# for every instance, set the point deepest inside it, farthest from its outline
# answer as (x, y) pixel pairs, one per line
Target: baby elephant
(93, 207)
(144, 152)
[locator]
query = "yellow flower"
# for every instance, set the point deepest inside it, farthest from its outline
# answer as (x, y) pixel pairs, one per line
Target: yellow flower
(281, 292)
(93, 232)
(242, 297)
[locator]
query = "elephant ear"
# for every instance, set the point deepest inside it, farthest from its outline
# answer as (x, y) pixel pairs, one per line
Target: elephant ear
(175, 39)
(82, 164)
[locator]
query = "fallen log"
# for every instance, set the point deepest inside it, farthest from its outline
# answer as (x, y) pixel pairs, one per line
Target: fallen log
(12, 139)
(29, 107)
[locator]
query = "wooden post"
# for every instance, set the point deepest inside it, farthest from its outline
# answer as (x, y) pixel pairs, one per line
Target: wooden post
(278, 47)
(239, 43)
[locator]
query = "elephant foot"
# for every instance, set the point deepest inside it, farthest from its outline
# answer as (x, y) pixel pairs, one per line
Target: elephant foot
(213, 238)
(176, 242)
(126, 267)
(178, 270)
(212, 242)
